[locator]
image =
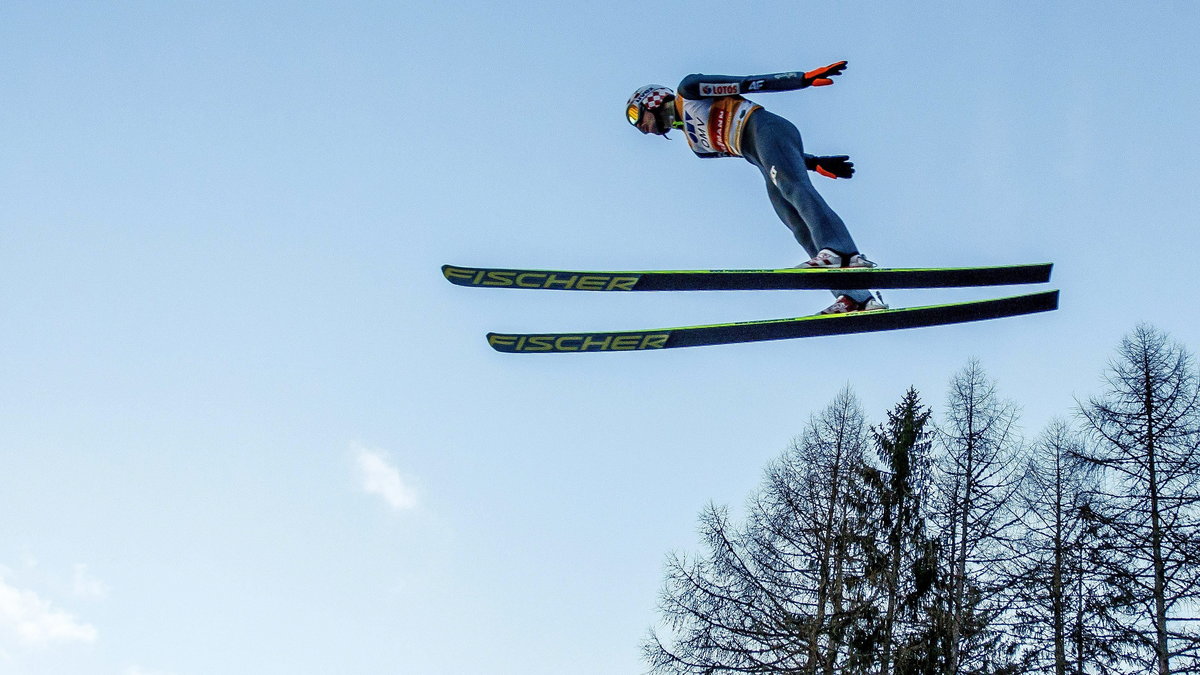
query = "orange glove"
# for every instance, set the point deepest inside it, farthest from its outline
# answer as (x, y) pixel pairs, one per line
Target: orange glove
(820, 76)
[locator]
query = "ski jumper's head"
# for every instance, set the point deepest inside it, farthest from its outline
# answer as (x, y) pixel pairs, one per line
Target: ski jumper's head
(652, 109)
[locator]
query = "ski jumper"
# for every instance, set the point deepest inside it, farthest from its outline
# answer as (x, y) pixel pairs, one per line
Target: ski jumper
(718, 122)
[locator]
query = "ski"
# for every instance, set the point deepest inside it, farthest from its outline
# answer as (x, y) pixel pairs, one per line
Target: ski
(775, 329)
(746, 280)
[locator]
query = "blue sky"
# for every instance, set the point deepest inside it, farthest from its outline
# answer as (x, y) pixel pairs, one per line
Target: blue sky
(246, 427)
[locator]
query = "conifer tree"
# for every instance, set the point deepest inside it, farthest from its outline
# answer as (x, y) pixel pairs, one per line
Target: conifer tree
(902, 560)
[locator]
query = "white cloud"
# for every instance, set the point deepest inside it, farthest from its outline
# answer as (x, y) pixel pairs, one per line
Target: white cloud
(379, 477)
(87, 586)
(35, 621)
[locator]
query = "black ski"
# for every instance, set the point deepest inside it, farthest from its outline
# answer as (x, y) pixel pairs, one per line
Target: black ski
(743, 280)
(775, 329)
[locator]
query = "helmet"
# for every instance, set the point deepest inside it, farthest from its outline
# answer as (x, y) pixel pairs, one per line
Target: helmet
(648, 99)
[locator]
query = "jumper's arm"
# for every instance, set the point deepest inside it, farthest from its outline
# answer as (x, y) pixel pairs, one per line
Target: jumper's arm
(711, 86)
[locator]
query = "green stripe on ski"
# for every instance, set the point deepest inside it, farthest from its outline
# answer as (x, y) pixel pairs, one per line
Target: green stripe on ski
(774, 329)
(765, 279)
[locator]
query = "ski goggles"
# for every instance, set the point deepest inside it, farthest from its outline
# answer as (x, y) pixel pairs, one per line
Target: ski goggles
(634, 114)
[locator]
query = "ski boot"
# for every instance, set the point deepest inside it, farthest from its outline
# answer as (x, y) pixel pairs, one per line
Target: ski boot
(845, 304)
(828, 258)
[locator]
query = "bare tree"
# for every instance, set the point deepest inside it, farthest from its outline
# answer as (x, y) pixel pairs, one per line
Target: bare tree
(978, 469)
(1058, 592)
(817, 514)
(782, 592)
(1145, 429)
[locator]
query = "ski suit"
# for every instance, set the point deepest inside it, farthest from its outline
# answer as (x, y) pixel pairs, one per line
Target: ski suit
(719, 122)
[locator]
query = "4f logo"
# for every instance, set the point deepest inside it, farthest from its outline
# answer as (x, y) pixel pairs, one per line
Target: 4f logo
(755, 85)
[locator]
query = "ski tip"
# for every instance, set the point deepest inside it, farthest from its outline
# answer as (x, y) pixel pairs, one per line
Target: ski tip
(460, 276)
(500, 342)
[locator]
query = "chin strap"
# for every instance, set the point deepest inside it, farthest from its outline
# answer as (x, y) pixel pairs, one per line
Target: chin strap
(662, 115)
